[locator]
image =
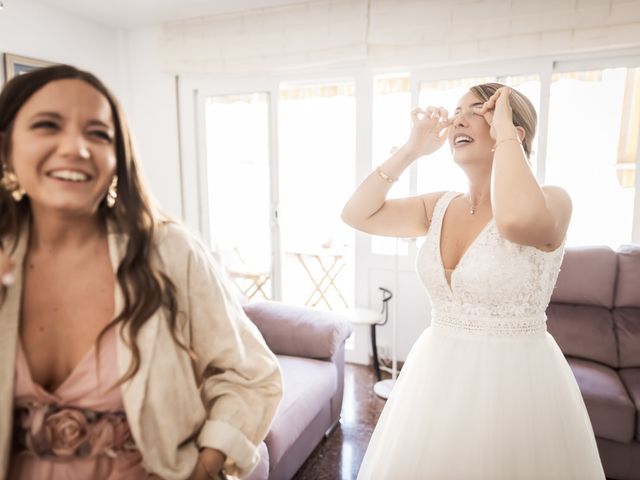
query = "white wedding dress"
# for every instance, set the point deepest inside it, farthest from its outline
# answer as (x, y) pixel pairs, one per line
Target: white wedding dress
(485, 392)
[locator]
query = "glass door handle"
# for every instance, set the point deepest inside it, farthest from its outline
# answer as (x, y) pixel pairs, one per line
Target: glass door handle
(274, 215)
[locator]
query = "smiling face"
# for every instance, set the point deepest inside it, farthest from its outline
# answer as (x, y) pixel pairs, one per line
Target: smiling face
(469, 137)
(62, 147)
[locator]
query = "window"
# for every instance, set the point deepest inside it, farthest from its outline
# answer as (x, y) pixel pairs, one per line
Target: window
(317, 164)
(239, 222)
(585, 144)
(391, 128)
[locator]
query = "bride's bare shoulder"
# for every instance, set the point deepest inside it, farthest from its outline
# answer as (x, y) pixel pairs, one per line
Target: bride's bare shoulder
(429, 201)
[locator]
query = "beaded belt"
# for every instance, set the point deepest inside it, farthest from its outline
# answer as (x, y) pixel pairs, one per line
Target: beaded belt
(53, 431)
(475, 325)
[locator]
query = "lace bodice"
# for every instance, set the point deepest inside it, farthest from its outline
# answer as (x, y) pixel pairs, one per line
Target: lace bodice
(498, 287)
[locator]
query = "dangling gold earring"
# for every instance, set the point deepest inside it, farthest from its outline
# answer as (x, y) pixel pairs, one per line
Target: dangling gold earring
(112, 193)
(10, 182)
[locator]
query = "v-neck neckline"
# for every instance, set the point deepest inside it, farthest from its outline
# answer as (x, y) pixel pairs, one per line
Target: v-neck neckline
(449, 283)
(55, 393)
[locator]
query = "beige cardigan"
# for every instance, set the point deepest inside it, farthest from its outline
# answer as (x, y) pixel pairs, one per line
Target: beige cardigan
(168, 416)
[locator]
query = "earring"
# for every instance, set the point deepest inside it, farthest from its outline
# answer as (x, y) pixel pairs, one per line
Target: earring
(112, 193)
(10, 182)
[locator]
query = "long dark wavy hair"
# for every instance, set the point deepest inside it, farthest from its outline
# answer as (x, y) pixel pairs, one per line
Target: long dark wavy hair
(144, 287)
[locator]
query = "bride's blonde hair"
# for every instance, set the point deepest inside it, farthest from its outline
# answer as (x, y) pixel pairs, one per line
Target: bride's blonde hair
(524, 113)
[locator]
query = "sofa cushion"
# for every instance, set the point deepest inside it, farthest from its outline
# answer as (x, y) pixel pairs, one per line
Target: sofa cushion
(587, 277)
(628, 279)
(584, 332)
(309, 385)
(611, 410)
(627, 325)
(631, 379)
(299, 331)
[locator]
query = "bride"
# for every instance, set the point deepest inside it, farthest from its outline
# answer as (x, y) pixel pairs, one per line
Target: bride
(485, 393)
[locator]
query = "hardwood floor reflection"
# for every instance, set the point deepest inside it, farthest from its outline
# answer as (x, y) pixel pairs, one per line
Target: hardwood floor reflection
(340, 455)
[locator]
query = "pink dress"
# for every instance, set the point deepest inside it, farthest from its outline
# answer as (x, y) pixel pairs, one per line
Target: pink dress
(79, 429)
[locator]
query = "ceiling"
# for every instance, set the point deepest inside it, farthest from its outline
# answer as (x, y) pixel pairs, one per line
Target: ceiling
(137, 13)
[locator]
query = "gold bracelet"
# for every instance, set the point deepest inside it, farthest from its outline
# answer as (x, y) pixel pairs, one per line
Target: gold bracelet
(506, 140)
(385, 177)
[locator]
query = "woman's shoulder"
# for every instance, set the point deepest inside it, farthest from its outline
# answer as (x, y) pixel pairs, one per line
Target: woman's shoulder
(184, 255)
(431, 200)
(173, 243)
(175, 238)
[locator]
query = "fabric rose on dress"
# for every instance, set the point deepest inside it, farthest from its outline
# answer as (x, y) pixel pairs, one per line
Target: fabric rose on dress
(50, 430)
(66, 431)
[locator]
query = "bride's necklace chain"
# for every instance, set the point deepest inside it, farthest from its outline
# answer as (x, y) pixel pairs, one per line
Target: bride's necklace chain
(474, 206)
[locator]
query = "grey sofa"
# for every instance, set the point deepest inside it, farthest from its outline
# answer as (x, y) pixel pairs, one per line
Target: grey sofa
(309, 344)
(594, 316)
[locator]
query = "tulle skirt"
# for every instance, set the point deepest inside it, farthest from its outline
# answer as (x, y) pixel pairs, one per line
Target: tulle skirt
(480, 407)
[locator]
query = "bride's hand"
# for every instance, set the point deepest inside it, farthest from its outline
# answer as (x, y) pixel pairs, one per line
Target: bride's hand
(498, 113)
(6, 270)
(429, 130)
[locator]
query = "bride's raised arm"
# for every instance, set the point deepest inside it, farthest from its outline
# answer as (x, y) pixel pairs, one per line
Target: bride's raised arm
(368, 209)
(524, 212)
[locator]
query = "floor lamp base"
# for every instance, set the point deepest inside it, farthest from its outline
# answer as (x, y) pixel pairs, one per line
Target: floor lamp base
(383, 388)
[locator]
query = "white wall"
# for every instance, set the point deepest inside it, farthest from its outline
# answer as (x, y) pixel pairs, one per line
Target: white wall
(153, 116)
(36, 30)
(386, 33)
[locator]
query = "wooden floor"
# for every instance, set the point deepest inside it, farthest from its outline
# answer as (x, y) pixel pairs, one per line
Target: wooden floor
(340, 455)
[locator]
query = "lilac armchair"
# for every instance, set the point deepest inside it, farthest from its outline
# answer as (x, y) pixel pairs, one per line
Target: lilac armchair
(309, 344)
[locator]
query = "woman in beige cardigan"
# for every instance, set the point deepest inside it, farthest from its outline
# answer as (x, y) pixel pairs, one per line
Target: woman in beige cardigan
(104, 303)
